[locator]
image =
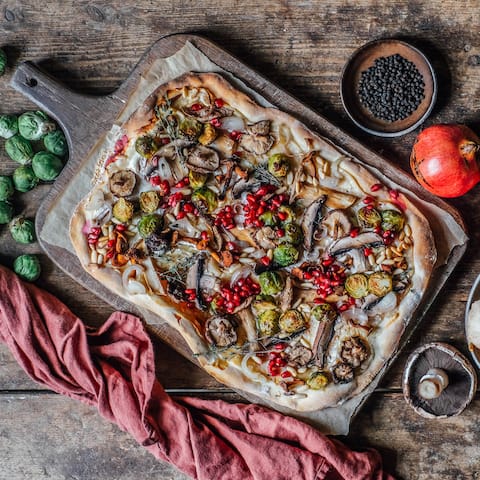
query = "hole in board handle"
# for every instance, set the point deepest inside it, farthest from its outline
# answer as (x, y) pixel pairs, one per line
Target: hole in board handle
(31, 82)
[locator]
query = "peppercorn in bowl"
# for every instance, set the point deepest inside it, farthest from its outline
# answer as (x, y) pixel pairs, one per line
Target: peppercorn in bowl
(388, 87)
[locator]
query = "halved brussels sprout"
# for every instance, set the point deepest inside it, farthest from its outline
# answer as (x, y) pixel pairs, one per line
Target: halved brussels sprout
(380, 283)
(6, 212)
(209, 134)
(262, 303)
(323, 312)
(369, 218)
(6, 187)
(267, 322)
(27, 267)
(268, 219)
(285, 254)
(34, 125)
(279, 165)
(8, 126)
(356, 285)
(123, 210)
(146, 146)
(19, 149)
(392, 220)
(56, 143)
(22, 230)
(271, 283)
(149, 201)
(3, 61)
(150, 224)
(205, 199)
(292, 321)
(190, 128)
(24, 178)
(317, 381)
(46, 166)
(293, 234)
(197, 179)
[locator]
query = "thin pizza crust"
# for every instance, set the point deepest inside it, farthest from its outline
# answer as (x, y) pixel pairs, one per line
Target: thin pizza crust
(386, 339)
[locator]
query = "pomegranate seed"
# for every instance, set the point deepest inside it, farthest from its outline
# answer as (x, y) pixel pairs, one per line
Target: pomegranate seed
(282, 215)
(111, 243)
(216, 122)
(378, 230)
(286, 374)
(204, 235)
(368, 200)
(387, 233)
(155, 180)
(354, 232)
(369, 207)
(188, 208)
(376, 187)
(327, 262)
(260, 210)
(280, 233)
(219, 102)
(318, 301)
(92, 241)
(231, 246)
(121, 227)
(279, 346)
(110, 254)
(343, 307)
(196, 107)
(351, 301)
(393, 194)
(307, 276)
(181, 214)
(251, 198)
(96, 230)
(262, 191)
(265, 260)
(165, 141)
(273, 355)
(367, 251)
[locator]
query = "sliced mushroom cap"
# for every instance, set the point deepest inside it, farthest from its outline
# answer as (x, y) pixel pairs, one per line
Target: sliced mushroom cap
(193, 281)
(286, 296)
(354, 351)
(257, 144)
(249, 325)
(259, 128)
(219, 331)
(322, 339)
(342, 373)
(122, 183)
(245, 185)
(311, 219)
(379, 305)
(344, 244)
(337, 224)
(298, 355)
(265, 237)
(203, 159)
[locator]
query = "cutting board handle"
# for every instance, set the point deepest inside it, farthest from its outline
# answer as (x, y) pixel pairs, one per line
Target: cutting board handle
(76, 113)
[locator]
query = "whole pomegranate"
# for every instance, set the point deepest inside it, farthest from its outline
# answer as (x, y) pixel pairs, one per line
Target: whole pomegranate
(445, 158)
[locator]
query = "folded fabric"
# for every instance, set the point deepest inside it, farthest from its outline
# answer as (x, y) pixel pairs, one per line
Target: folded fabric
(113, 369)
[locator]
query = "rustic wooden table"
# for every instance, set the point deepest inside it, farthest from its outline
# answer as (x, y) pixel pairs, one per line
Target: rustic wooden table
(302, 46)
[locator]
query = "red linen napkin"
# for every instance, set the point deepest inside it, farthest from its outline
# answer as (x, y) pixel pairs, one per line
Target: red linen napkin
(112, 368)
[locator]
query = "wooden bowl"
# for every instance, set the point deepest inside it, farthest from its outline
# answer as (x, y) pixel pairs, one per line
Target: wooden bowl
(364, 58)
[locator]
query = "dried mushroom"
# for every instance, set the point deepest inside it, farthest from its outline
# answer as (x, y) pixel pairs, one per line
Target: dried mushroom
(219, 331)
(122, 183)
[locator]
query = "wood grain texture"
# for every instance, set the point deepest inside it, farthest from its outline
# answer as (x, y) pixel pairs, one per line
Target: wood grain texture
(302, 46)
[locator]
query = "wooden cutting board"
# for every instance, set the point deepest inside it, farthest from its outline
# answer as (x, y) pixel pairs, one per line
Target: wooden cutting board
(85, 119)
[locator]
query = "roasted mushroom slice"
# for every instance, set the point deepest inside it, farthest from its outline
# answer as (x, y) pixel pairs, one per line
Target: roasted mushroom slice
(193, 281)
(249, 325)
(325, 315)
(297, 355)
(311, 219)
(342, 372)
(259, 128)
(203, 159)
(220, 332)
(265, 237)
(245, 185)
(345, 244)
(337, 224)
(122, 183)
(354, 351)
(257, 144)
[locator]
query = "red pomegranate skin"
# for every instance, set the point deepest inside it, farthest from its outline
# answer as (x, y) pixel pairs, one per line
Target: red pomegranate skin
(444, 159)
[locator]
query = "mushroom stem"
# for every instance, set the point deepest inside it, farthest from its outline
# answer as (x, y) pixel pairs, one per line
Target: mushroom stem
(433, 383)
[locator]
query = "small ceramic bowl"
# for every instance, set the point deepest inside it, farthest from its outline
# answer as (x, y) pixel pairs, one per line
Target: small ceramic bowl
(473, 297)
(361, 60)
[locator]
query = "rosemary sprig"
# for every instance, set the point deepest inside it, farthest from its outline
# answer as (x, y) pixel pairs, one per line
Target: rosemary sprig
(261, 173)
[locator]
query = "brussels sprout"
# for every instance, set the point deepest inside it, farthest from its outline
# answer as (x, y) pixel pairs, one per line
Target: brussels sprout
(356, 285)
(150, 224)
(46, 166)
(22, 230)
(271, 282)
(123, 210)
(292, 321)
(6, 212)
(268, 219)
(209, 134)
(262, 303)
(27, 267)
(8, 126)
(279, 165)
(380, 283)
(197, 179)
(285, 254)
(286, 214)
(392, 220)
(6, 187)
(190, 128)
(146, 146)
(205, 199)
(323, 313)
(149, 201)
(369, 218)
(293, 234)
(267, 322)
(56, 143)
(24, 178)
(3, 61)
(19, 149)
(317, 381)
(34, 125)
